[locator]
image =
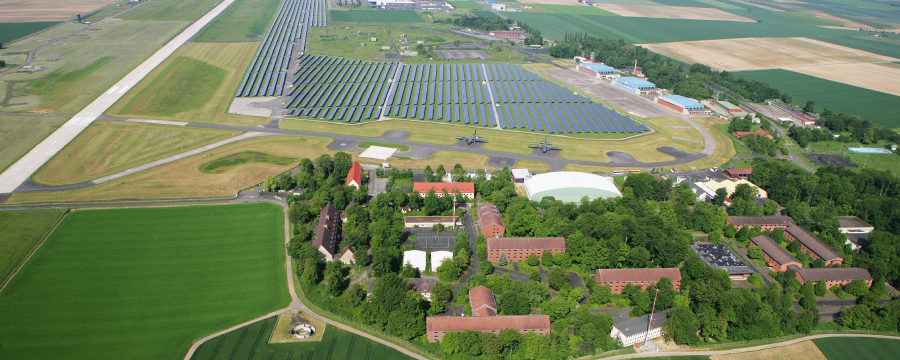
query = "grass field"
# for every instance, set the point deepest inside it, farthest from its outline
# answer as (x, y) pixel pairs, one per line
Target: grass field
(185, 84)
(19, 134)
(20, 232)
(374, 16)
(577, 10)
(171, 10)
(874, 106)
(467, 5)
(183, 178)
(222, 164)
(858, 348)
(805, 350)
(532, 165)
(366, 144)
(889, 162)
(12, 31)
(144, 283)
(250, 343)
(108, 147)
(242, 19)
(232, 57)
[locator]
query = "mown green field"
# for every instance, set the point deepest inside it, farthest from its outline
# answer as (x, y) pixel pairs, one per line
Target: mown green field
(171, 10)
(20, 232)
(19, 134)
(366, 144)
(144, 283)
(468, 4)
(242, 19)
(251, 343)
(219, 165)
(877, 107)
(577, 10)
(484, 13)
(374, 15)
(850, 348)
(12, 31)
(62, 80)
(186, 84)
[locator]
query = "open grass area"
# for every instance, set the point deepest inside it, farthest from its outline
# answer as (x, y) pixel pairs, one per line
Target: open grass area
(170, 10)
(282, 332)
(853, 348)
(532, 165)
(185, 84)
(407, 16)
(447, 158)
(889, 162)
(20, 232)
(250, 343)
(19, 134)
(877, 107)
(12, 31)
(144, 283)
(240, 21)
(468, 4)
(183, 178)
(222, 164)
(232, 57)
(366, 144)
(577, 10)
(107, 147)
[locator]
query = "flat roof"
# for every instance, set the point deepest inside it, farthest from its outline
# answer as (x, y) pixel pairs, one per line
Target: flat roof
(600, 68)
(635, 82)
(718, 256)
(852, 222)
(728, 105)
(638, 325)
(682, 101)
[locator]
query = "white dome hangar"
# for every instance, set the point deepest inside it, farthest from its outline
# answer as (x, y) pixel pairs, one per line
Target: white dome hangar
(570, 186)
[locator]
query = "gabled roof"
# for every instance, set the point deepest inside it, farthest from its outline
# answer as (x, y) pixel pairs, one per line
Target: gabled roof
(834, 274)
(638, 275)
(526, 243)
(355, 173)
(736, 172)
(488, 323)
(439, 187)
(488, 214)
(759, 132)
(770, 220)
(638, 325)
(326, 231)
(813, 243)
(775, 251)
(482, 301)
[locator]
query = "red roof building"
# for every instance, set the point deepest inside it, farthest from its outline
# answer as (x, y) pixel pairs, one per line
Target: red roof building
(482, 301)
(834, 276)
(618, 278)
(490, 221)
(813, 246)
(437, 326)
(354, 177)
(518, 249)
(764, 223)
(777, 257)
(327, 232)
(465, 188)
(760, 132)
(738, 173)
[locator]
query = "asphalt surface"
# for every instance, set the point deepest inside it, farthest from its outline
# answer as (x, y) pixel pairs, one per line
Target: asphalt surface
(19, 172)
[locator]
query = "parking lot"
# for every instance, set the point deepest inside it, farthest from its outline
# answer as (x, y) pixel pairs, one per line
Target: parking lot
(427, 239)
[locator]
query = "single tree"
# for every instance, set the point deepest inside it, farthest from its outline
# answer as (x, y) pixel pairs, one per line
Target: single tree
(502, 260)
(532, 260)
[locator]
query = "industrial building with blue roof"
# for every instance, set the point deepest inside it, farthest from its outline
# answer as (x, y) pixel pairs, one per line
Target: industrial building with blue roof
(599, 71)
(636, 85)
(684, 105)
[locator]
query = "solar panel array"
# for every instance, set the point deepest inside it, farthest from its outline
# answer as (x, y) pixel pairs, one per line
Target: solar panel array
(455, 93)
(330, 88)
(267, 73)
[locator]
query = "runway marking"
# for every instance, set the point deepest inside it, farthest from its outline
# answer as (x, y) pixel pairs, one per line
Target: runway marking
(114, 88)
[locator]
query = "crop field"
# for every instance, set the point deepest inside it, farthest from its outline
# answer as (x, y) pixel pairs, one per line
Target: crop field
(805, 350)
(887, 47)
(858, 348)
(144, 283)
(196, 79)
(251, 343)
(10, 31)
(269, 67)
(874, 106)
(885, 79)
(407, 16)
(107, 147)
(222, 164)
(209, 107)
(671, 12)
(468, 4)
(20, 232)
(577, 10)
(241, 21)
(19, 134)
(171, 10)
(808, 19)
(47, 10)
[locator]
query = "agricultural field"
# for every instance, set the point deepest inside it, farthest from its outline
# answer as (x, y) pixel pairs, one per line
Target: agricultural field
(468, 4)
(107, 147)
(874, 106)
(671, 12)
(10, 31)
(128, 297)
(147, 99)
(19, 134)
(887, 47)
(577, 10)
(858, 348)
(170, 10)
(242, 21)
(876, 77)
(368, 16)
(20, 232)
(251, 343)
(805, 350)
(47, 10)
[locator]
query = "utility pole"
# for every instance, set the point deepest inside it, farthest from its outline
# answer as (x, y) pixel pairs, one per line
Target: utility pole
(650, 320)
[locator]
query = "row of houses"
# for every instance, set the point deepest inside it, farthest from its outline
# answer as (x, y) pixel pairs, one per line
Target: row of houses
(485, 319)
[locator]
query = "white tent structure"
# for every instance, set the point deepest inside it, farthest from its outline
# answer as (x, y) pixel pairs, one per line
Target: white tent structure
(416, 258)
(378, 152)
(570, 186)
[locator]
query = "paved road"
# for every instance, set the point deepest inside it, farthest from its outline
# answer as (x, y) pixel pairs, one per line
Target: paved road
(19, 172)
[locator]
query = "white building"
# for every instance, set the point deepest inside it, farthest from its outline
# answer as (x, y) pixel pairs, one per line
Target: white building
(429, 221)
(634, 331)
(416, 258)
(570, 186)
(498, 7)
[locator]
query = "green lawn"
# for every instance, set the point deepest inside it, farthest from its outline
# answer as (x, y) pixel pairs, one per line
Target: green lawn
(251, 343)
(144, 283)
(19, 134)
(877, 107)
(466, 5)
(186, 84)
(222, 164)
(374, 15)
(577, 10)
(171, 10)
(366, 144)
(242, 19)
(20, 232)
(858, 348)
(12, 31)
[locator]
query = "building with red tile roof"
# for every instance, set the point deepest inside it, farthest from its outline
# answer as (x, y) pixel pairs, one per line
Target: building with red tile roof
(490, 221)
(518, 249)
(437, 326)
(482, 301)
(738, 173)
(618, 278)
(777, 257)
(834, 276)
(813, 246)
(354, 177)
(465, 188)
(764, 223)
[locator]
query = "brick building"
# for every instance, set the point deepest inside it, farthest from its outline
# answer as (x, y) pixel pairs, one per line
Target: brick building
(618, 278)
(765, 223)
(777, 257)
(354, 177)
(738, 173)
(813, 246)
(518, 249)
(482, 301)
(328, 231)
(834, 276)
(684, 105)
(490, 221)
(437, 326)
(467, 189)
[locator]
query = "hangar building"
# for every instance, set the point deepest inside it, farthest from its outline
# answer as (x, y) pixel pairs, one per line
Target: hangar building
(636, 85)
(570, 186)
(596, 70)
(684, 105)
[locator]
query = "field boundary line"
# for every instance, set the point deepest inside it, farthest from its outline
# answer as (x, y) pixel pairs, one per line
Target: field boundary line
(34, 250)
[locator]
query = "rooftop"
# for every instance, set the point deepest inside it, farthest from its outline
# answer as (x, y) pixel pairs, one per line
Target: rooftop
(739, 171)
(520, 173)
(488, 214)
(355, 173)
(771, 220)
(728, 105)
(834, 274)
(685, 102)
(718, 256)
(638, 325)
(775, 251)
(813, 243)
(487, 323)
(326, 230)
(730, 185)
(852, 222)
(482, 301)
(636, 82)
(439, 187)
(600, 68)
(556, 184)
(429, 219)
(634, 275)
(526, 243)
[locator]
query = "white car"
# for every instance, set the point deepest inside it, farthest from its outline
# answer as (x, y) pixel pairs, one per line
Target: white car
(713, 169)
